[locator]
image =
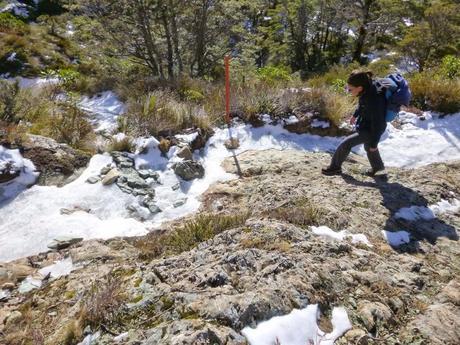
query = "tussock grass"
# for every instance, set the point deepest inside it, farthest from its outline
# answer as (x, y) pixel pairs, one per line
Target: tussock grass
(101, 303)
(124, 145)
(189, 235)
(301, 212)
(431, 92)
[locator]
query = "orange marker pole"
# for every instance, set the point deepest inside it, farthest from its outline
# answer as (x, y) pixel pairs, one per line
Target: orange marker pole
(227, 89)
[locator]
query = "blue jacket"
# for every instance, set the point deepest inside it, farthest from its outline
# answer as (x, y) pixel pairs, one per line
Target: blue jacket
(370, 114)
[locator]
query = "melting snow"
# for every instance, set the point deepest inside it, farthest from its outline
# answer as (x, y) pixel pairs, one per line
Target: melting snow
(420, 142)
(298, 328)
(414, 213)
(340, 235)
(395, 239)
(58, 269)
(105, 109)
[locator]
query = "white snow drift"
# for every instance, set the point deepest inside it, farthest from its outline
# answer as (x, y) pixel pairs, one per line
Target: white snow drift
(298, 328)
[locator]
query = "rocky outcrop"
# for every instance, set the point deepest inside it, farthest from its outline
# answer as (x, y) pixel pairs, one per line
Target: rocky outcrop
(272, 263)
(57, 163)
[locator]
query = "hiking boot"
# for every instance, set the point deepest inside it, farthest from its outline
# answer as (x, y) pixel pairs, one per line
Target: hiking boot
(331, 171)
(372, 172)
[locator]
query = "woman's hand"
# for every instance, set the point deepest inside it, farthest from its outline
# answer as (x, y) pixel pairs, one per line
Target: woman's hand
(352, 120)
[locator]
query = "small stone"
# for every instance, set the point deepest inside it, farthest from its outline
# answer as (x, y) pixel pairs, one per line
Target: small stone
(176, 186)
(92, 180)
(370, 312)
(111, 177)
(185, 153)
(105, 170)
(179, 202)
(232, 143)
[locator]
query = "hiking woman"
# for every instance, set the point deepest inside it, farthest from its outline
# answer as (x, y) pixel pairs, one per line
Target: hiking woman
(370, 122)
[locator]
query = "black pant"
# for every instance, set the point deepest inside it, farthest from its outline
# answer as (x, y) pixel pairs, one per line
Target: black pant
(351, 141)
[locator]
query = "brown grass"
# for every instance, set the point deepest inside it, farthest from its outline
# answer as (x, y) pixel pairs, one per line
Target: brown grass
(194, 231)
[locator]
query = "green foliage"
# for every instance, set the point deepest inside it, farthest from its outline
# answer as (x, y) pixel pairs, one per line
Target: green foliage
(430, 92)
(273, 75)
(11, 24)
(8, 95)
(67, 76)
(450, 67)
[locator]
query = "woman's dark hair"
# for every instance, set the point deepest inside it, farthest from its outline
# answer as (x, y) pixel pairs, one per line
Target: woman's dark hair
(360, 78)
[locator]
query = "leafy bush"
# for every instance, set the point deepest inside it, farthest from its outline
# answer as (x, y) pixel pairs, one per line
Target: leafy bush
(336, 72)
(8, 94)
(381, 68)
(450, 67)
(11, 24)
(430, 92)
(273, 75)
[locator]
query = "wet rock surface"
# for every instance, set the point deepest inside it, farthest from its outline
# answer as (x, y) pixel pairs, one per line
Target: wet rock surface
(267, 266)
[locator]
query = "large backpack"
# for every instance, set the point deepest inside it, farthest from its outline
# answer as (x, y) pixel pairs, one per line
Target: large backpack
(397, 93)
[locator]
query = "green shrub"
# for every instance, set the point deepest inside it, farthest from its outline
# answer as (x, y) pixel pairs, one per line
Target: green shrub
(450, 67)
(11, 24)
(336, 72)
(381, 68)
(8, 94)
(301, 212)
(430, 92)
(273, 75)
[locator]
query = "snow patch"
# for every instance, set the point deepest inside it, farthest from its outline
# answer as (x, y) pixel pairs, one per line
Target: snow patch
(13, 160)
(320, 124)
(298, 328)
(414, 213)
(420, 141)
(58, 269)
(340, 235)
(396, 239)
(105, 109)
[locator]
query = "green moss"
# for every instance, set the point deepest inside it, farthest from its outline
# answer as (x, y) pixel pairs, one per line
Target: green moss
(69, 294)
(137, 299)
(167, 303)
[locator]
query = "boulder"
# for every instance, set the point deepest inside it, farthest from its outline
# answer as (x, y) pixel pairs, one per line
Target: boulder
(188, 170)
(57, 163)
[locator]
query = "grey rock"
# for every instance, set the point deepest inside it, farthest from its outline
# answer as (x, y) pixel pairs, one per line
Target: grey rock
(188, 170)
(63, 242)
(105, 170)
(180, 202)
(185, 153)
(111, 177)
(93, 180)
